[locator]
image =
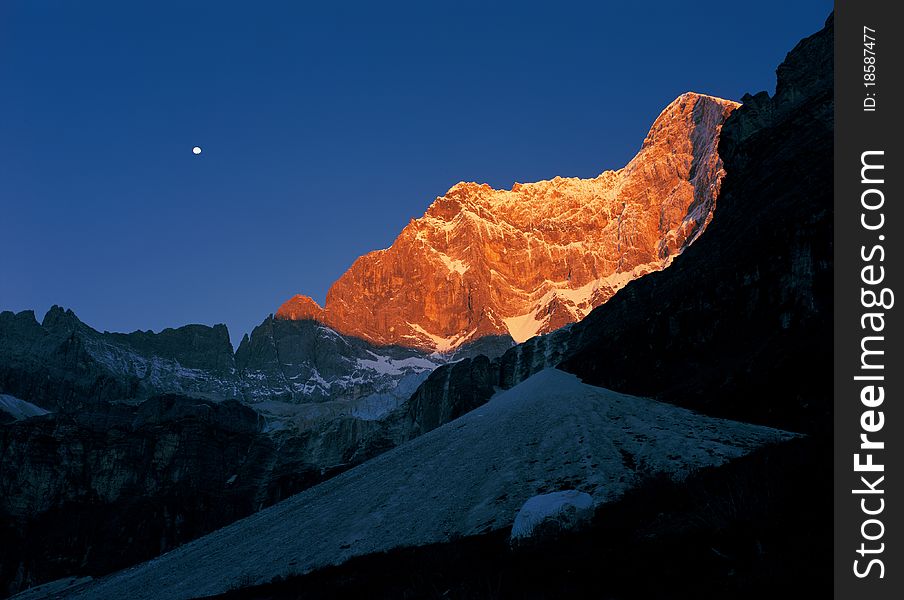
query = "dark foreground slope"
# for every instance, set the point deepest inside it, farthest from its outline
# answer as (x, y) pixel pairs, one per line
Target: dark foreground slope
(754, 528)
(94, 490)
(739, 325)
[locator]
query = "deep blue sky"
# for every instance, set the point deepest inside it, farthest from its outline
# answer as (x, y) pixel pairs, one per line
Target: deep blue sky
(324, 131)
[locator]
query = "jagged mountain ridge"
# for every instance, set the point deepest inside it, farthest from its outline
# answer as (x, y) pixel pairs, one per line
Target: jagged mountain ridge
(539, 256)
(61, 363)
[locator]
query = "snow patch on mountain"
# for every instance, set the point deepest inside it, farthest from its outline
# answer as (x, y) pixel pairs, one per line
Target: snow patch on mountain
(441, 345)
(524, 327)
(455, 265)
(577, 301)
(386, 365)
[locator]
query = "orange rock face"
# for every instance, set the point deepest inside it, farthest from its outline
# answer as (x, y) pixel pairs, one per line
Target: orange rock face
(539, 256)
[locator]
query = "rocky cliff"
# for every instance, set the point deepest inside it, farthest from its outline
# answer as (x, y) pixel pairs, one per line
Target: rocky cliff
(740, 324)
(137, 479)
(539, 256)
(304, 361)
(111, 484)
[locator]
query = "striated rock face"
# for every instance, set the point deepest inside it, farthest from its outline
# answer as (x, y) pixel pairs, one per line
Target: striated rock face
(539, 256)
(740, 324)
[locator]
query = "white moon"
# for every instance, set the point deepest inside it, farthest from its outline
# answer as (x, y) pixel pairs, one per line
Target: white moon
(196, 150)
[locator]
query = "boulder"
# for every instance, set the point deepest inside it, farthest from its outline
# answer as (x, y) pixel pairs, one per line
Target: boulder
(548, 515)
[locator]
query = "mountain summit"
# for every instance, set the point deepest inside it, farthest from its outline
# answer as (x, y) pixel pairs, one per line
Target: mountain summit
(529, 260)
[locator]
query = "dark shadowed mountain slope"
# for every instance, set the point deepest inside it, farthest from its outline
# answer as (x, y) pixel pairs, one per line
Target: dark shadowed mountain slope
(741, 324)
(550, 432)
(112, 484)
(755, 528)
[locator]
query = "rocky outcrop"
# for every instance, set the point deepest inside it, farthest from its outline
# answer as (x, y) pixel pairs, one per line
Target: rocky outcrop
(539, 256)
(452, 390)
(62, 363)
(14, 409)
(547, 516)
(740, 324)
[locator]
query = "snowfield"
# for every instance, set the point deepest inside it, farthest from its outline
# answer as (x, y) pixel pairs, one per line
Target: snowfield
(548, 434)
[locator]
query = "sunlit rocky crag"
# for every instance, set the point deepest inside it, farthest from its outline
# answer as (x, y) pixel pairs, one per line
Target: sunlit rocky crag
(529, 260)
